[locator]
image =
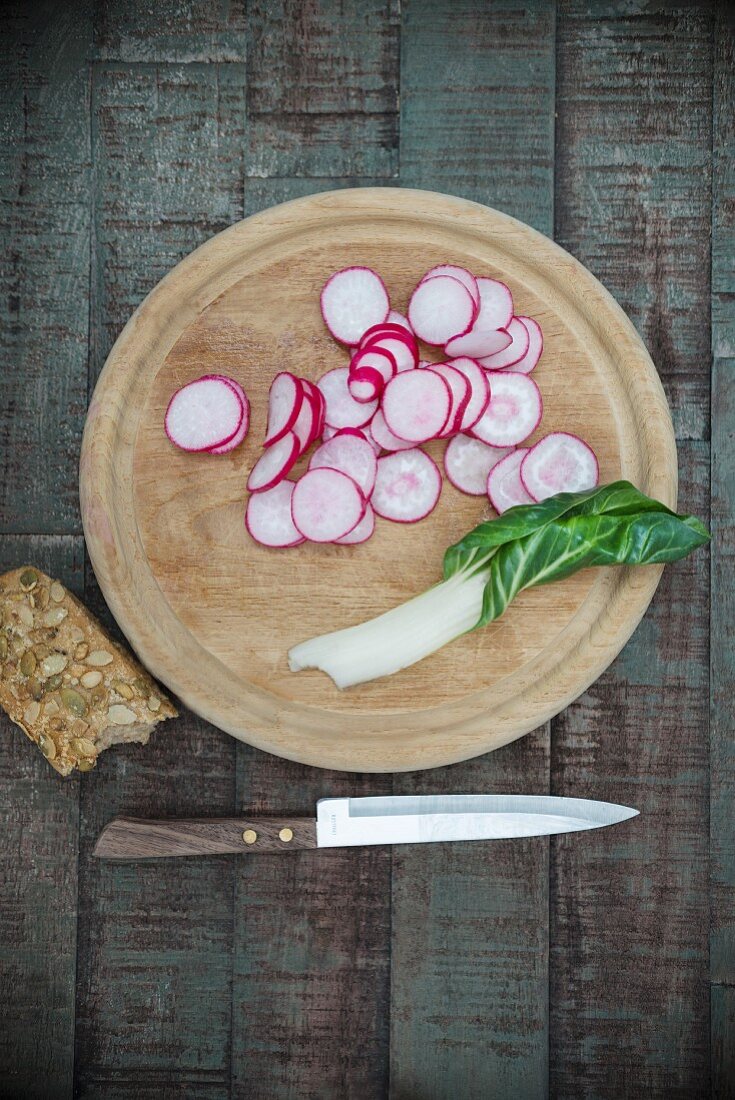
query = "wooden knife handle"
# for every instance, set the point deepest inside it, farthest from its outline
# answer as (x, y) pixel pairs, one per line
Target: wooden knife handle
(137, 838)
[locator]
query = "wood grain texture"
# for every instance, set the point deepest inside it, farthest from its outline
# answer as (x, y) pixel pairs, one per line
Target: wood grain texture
(322, 88)
(469, 986)
(723, 186)
(629, 911)
(151, 838)
(39, 817)
(179, 31)
(632, 176)
(723, 1049)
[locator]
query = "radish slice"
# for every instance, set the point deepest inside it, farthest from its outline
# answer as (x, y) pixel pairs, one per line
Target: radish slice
(274, 464)
(381, 360)
(353, 455)
(407, 487)
(284, 405)
(396, 318)
(237, 438)
(384, 437)
(559, 463)
(326, 504)
(417, 405)
(268, 517)
(353, 300)
(367, 431)
(479, 341)
(504, 486)
(461, 389)
(535, 347)
(362, 532)
(404, 352)
(305, 424)
(514, 411)
(203, 414)
(440, 309)
(461, 274)
(365, 384)
(515, 350)
(387, 328)
(479, 390)
(319, 406)
(342, 409)
(496, 303)
(468, 462)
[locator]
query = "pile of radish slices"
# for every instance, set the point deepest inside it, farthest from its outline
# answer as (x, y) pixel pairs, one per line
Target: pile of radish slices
(370, 417)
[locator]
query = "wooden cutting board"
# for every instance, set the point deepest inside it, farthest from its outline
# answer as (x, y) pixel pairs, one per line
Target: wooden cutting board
(212, 614)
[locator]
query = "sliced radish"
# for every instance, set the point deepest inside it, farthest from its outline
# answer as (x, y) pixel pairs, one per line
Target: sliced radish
(496, 303)
(353, 300)
(367, 431)
(404, 352)
(378, 358)
(535, 347)
(479, 341)
(275, 463)
(461, 390)
(203, 414)
(479, 390)
(306, 423)
(407, 487)
(514, 411)
(237, 438)
(268, 517)
(396, 318)
(388, 328)
(353, 455)
(365, 384)
(559, 463)
(440, 309)
(384, 437)
(461, 274)
(515, 351)
(326, 504)
(362, 532)
(284, 404)
(417, 404)
(468, 462)
(504, 486)
(329, 431)
(319, 405)
(342, 409)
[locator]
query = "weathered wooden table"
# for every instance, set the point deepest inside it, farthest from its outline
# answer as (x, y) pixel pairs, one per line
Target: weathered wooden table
(593, 966)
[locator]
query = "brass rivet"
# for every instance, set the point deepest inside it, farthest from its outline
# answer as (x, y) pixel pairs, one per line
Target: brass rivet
(286, 835)
(250, 836)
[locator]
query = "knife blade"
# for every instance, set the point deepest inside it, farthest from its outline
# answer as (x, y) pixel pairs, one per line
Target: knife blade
(354, 822)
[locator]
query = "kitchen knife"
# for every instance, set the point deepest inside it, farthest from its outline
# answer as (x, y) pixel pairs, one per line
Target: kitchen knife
(352, 822)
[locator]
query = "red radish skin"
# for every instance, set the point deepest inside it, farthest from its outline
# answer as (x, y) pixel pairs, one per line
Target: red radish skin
(417, 405)
(203, 414)
(440, 309)
(461, 274)
(365, 384)
(515, 351)
(496, 303)
(351, 301)
(404, 353)
(319, 405)
(467, 463)
(396, 318)
(362, 532)
(398, 332)
(342, 410)
(384, 437)
(479, 342)
(559, 463)
(408, 486)
(514, 411)
(361, 433)
(326, 505)
(306, 423)
(268, 517)
(274, 464)
(379, 359)
(461, 391)
(353, 455)
(479, 390)
(504, 486)
(237, 438)
(535, 347)
(284, 405)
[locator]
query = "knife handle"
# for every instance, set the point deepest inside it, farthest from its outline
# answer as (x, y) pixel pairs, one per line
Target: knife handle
(137, 838)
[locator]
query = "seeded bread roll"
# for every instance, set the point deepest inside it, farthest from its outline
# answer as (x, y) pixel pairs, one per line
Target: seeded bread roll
(64, 681)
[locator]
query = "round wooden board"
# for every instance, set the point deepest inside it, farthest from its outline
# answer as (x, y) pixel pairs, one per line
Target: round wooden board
(212, 614)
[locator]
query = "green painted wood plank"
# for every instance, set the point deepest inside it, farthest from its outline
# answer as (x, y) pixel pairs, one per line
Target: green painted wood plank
(322, 88)
(469, 923)
(170, 30)
(633, 160)
(629, 906)
(39, 819)
(44, 277)
(723, 1048)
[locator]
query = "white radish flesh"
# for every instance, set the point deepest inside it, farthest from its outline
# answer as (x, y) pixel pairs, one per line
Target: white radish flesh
(384, 437)
(460, 388)
(353, 455)
(268, 517)
(396, 318)
(353, 300)
(461, 274)
(496, 303)
(365, 384)
(559, 463)
(403, 352)
(440, 309)
(468, 462)
(416, 405)
(504, 486)
(237, 438)
(362, 532)
(204, 414)
(305, 424)
(274, 464)
(367, 432)
(379, 359)
(515, 351)
(535, 347)
(284, 404)
(326, 504)
(342, 411)
(514, 410)
(479, 390)
(479, 341)
(407, 487)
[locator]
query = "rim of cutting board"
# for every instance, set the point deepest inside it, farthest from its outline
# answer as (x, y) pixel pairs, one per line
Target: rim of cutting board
(128, 584)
